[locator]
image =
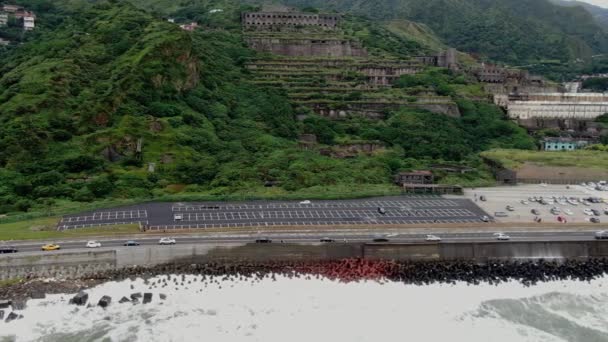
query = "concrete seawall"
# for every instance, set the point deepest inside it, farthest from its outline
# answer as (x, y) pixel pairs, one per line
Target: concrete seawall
(60, 265)
(81, 263)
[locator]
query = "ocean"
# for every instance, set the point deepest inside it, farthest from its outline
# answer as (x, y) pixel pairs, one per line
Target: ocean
(319, 310)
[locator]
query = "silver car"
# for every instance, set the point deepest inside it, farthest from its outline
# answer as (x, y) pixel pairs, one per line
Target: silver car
(601, 235)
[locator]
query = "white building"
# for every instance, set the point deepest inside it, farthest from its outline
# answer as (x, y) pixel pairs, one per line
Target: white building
(29, 22)
(3, 19)
(586, 106)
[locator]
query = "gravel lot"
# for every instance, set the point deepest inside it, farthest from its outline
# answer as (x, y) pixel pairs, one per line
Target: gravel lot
(499, 197)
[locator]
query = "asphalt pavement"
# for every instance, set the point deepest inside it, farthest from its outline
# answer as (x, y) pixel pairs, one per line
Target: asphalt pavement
(394, 210)
(315, 237)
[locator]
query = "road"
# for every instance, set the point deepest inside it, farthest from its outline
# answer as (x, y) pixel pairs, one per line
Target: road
(300, 237)
(397, 210)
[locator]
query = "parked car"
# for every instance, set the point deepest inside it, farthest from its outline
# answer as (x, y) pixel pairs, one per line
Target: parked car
(8, 249)
(51, 247)
(510, 208)
(166, 241)
(524, 202)
(502, 237)
(596, 212)
(131, 243)
(535, 211)
(433, 238)
(588, 212)
(568, 212)
(485, 218)
(178, 217)
(594, 220)
(500, 214)
(93, 244)
(326, 239)
(381, 211)
(263, 240)
(305, 202)
(601, 235)
(380, 238)
(482, 198)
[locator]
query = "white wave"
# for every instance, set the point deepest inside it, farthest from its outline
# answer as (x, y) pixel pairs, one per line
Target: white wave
(320, 310)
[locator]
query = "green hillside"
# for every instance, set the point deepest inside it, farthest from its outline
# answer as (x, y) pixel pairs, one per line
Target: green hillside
(518, 32)
(103, 93)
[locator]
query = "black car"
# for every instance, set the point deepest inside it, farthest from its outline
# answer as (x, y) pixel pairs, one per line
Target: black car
(263, 240)
(380, 239)
(595, 212)
(482, 198)
(4, 250)
(327, 240)
(594, 220)
(535, 212)
(131, 243)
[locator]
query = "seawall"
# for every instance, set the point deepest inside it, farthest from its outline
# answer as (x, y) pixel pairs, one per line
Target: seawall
(81, 263)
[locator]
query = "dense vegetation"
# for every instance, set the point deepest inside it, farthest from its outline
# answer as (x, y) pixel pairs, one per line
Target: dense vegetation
(91, 103)
(598, 84)
(532, 33)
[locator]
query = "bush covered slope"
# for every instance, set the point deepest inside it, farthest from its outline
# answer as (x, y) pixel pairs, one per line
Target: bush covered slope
(89, 102)
(514, 31)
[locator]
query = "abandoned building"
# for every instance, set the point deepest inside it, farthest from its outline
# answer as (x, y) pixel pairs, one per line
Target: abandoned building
(560, 111)
(444, 59)
(414, 177)
(265, 21)
(28, 18)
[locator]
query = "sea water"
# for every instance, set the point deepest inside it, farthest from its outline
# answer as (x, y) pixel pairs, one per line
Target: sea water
(318, 310)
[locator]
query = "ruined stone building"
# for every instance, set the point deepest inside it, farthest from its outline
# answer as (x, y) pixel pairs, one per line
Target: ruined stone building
(444, 59)
(278, 21)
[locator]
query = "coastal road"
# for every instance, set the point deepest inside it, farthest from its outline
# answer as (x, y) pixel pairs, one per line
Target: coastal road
(396, 210)
(299, 237)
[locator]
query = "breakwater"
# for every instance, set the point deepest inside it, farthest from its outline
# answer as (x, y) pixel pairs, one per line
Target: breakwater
(74, 265)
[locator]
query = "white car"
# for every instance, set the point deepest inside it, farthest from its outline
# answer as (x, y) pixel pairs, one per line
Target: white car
(305, 202)
(568, 212)
(524, 202)
(93, 244)
(433, 238)
(588, 212)
(502, 236)
(166, 241)
(178, 217)
(586, 203)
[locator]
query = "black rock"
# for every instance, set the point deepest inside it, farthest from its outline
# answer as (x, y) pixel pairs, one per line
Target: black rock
(19, 304)
(124, 300)
(4, 304)
(135, 295)
(36, 294)
(80, 299)
(147, 297)
(11, 316)
(104, 301)
(162, 296)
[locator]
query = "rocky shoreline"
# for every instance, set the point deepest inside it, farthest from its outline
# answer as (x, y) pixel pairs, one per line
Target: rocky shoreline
(347, 270)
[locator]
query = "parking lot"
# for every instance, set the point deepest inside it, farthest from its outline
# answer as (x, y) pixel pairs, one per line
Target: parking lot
(498, 198)
(395, 210)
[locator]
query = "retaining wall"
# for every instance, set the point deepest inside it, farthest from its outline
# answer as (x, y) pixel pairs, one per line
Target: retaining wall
(59, 264)
(78, 264)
